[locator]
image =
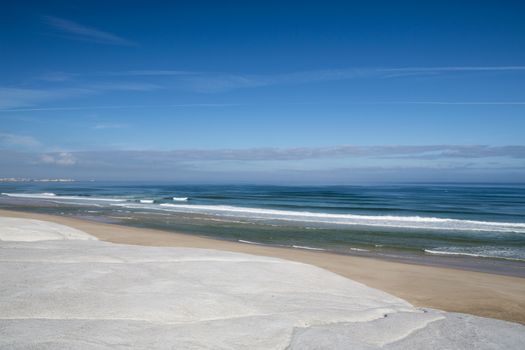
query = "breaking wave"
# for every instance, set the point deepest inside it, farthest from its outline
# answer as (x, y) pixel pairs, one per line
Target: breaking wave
(415, 222)
(47, 195)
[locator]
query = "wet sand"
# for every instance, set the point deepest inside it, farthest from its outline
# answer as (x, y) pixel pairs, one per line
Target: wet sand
(477, 293)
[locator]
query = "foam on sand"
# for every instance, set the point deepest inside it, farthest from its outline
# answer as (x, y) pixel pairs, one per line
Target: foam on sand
(88, 294)
(305, 247)
(247, 242)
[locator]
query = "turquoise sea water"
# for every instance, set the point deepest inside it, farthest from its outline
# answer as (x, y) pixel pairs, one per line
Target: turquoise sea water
(414, 220)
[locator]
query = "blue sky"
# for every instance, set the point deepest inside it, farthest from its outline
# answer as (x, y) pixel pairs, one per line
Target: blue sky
(263, 92)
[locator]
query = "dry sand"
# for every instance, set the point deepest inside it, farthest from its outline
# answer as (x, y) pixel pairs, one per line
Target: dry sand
(477, 293)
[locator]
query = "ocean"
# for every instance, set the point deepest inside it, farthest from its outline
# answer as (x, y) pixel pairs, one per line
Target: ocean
(474, 226)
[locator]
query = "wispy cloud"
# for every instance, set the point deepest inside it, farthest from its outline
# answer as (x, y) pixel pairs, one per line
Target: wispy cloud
(8, 140)
(123, 86)
(151, 72)
(56, 76)
(451, 103)
(73, 85)
(81, 32)
(62, 158)
(298, 165)
(82, 108)
(15, 99)
(146, 157)
(226, 82)
(422, 152)
(209, 82)
(469, 152)
(103, 126)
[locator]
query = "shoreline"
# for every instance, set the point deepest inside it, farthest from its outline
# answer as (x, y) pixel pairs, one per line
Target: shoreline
(478, 293)
(409, 255)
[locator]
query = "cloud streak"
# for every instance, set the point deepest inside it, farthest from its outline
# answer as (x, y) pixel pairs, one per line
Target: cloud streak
(15, 140)
(14, 99)
(17, 97)
(209, 82)
(62, 159)
(81, 32)
(104, 126)
(266, 165)
(146, 157)
(82, 108)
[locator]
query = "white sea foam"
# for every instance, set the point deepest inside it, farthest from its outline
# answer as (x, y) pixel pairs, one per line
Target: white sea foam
(247, 242)
(359, 249)
(69, 202)
(481, 252)
(413, 222)
(391, 221)
(305, 247)
(54, 196)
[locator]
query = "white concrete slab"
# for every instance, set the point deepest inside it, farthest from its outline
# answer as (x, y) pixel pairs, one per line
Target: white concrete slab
(73, 292)
(28, 230)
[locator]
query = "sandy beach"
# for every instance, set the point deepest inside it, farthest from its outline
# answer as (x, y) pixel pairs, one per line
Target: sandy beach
(454, 290)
